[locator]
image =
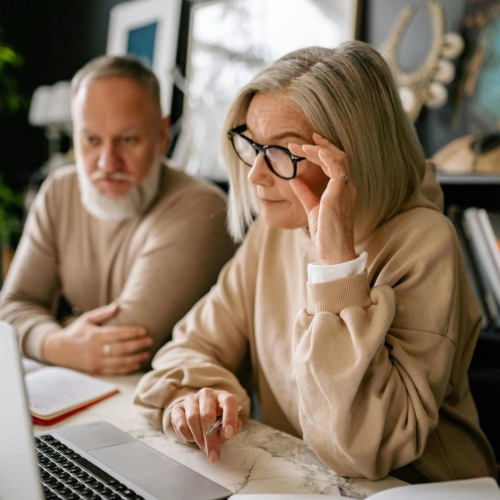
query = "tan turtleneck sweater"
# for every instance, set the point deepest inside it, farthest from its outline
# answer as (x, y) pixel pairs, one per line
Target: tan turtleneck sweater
(157, 265)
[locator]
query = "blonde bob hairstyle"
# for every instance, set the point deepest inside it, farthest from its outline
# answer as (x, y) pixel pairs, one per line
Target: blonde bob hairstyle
(348, 96)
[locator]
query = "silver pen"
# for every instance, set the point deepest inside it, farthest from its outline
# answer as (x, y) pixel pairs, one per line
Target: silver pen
(218, 423)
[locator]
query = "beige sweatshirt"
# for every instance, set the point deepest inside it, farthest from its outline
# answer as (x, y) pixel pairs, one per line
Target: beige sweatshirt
(371, 370)
(157, 264)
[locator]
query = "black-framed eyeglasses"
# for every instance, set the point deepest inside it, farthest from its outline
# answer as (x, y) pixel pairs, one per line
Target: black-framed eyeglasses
(280, 160)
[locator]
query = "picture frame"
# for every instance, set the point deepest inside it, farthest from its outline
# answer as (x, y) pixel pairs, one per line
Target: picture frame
(149, 31)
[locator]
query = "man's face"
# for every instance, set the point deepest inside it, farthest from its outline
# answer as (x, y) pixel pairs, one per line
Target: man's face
(118, 133)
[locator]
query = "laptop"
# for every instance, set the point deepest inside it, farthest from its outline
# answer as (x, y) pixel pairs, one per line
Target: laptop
(91, 461)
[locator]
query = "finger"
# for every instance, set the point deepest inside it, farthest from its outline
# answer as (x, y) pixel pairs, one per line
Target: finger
(125, 348)
(311, 153)
(180, 425)
(192, 412)
(321, 141)
(303, 192)
(296, 149)
(237, 429)
(210, 409)
(333, 167)
(318, 139)
(337, 168)
(227, 409)
(322, 145)
(229, 405)
(121, 333)
(127, 360)
(103, 314)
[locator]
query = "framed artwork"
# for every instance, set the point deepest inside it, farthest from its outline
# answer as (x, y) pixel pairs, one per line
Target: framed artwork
(479, 95)
(148, 30)
(229, 42)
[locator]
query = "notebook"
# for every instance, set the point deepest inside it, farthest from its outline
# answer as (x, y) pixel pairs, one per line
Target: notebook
(95, 460)
(55, 393)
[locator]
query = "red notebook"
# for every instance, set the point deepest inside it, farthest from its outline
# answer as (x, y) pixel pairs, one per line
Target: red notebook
(55, 393)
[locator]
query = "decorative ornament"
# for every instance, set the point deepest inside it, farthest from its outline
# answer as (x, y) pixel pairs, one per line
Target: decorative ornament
(426, 84)
(472, 153)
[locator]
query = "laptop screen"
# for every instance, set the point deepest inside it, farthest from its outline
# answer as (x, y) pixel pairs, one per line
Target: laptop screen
(19, 476)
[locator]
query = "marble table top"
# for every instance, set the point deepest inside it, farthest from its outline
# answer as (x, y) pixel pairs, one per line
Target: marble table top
(259, 459)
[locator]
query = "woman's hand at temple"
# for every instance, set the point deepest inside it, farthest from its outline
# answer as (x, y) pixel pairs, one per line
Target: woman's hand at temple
(331, 217)
(194, 415)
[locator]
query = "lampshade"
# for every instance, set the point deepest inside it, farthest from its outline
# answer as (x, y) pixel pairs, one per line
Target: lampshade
(61, 102)
(39, 106)
(51, 104)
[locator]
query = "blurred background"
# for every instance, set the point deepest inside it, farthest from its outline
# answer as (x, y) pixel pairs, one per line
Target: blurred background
(53, 39)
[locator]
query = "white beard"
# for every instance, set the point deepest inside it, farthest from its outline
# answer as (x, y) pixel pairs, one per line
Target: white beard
(134, 202)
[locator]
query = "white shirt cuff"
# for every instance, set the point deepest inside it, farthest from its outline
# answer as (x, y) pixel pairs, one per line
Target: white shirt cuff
(319, 273)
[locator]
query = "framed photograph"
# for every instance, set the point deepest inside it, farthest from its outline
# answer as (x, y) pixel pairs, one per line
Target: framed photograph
(148, 30)
(229, 42)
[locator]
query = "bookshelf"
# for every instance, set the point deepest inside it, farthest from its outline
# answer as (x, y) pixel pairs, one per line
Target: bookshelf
(482, 191)
(472, 190)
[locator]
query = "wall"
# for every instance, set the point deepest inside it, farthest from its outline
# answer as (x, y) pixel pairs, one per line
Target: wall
(434, 126)
(55, 39)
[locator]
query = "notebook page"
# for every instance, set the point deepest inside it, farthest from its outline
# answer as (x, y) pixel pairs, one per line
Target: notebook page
(53, 389)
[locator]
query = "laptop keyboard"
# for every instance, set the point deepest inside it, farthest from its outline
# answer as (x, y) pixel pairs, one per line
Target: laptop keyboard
(66, 474)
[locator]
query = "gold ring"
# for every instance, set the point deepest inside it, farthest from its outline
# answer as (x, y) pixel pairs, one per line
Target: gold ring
(107, 349)
(346, 180)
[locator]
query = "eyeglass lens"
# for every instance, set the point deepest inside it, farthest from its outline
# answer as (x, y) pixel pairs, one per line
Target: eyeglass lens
(280, 161)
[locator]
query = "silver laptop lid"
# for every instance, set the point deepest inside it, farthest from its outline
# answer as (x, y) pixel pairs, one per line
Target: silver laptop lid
(19, 476)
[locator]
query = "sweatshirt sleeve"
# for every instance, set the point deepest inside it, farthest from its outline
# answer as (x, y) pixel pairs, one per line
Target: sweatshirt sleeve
(207, 348)
(32, 284)
(374, 363)
(180, 260)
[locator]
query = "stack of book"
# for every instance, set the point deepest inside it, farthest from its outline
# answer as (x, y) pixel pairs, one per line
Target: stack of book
(478, 231)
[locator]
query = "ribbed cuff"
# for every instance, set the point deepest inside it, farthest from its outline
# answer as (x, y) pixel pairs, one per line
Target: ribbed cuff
(32, 342)
(320, 273)
(334, 296)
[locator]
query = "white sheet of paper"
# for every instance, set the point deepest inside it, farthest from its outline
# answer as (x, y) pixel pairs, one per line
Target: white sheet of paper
(283, 496)
(484, 488)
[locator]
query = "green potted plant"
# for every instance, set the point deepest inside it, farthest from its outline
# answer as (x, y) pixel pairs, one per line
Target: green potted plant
(11, 98)
(11, 202)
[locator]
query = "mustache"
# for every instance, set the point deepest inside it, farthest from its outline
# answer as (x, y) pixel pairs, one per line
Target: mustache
(112, 176)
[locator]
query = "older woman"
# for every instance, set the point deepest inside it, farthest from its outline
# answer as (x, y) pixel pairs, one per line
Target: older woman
(349, 291)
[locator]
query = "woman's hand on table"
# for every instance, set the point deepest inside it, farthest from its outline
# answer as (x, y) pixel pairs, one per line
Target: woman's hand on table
(331, 218)
(192, 418)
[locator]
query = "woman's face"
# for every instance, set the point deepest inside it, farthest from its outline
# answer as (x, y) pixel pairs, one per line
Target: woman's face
(274, 120)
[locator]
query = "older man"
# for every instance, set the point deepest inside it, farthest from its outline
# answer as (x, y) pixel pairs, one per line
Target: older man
(128, 241)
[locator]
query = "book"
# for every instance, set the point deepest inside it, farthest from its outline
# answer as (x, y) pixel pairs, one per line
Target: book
(474, 276)
(486, 253)
(55, 393)
(494, 219)
(483, 488)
